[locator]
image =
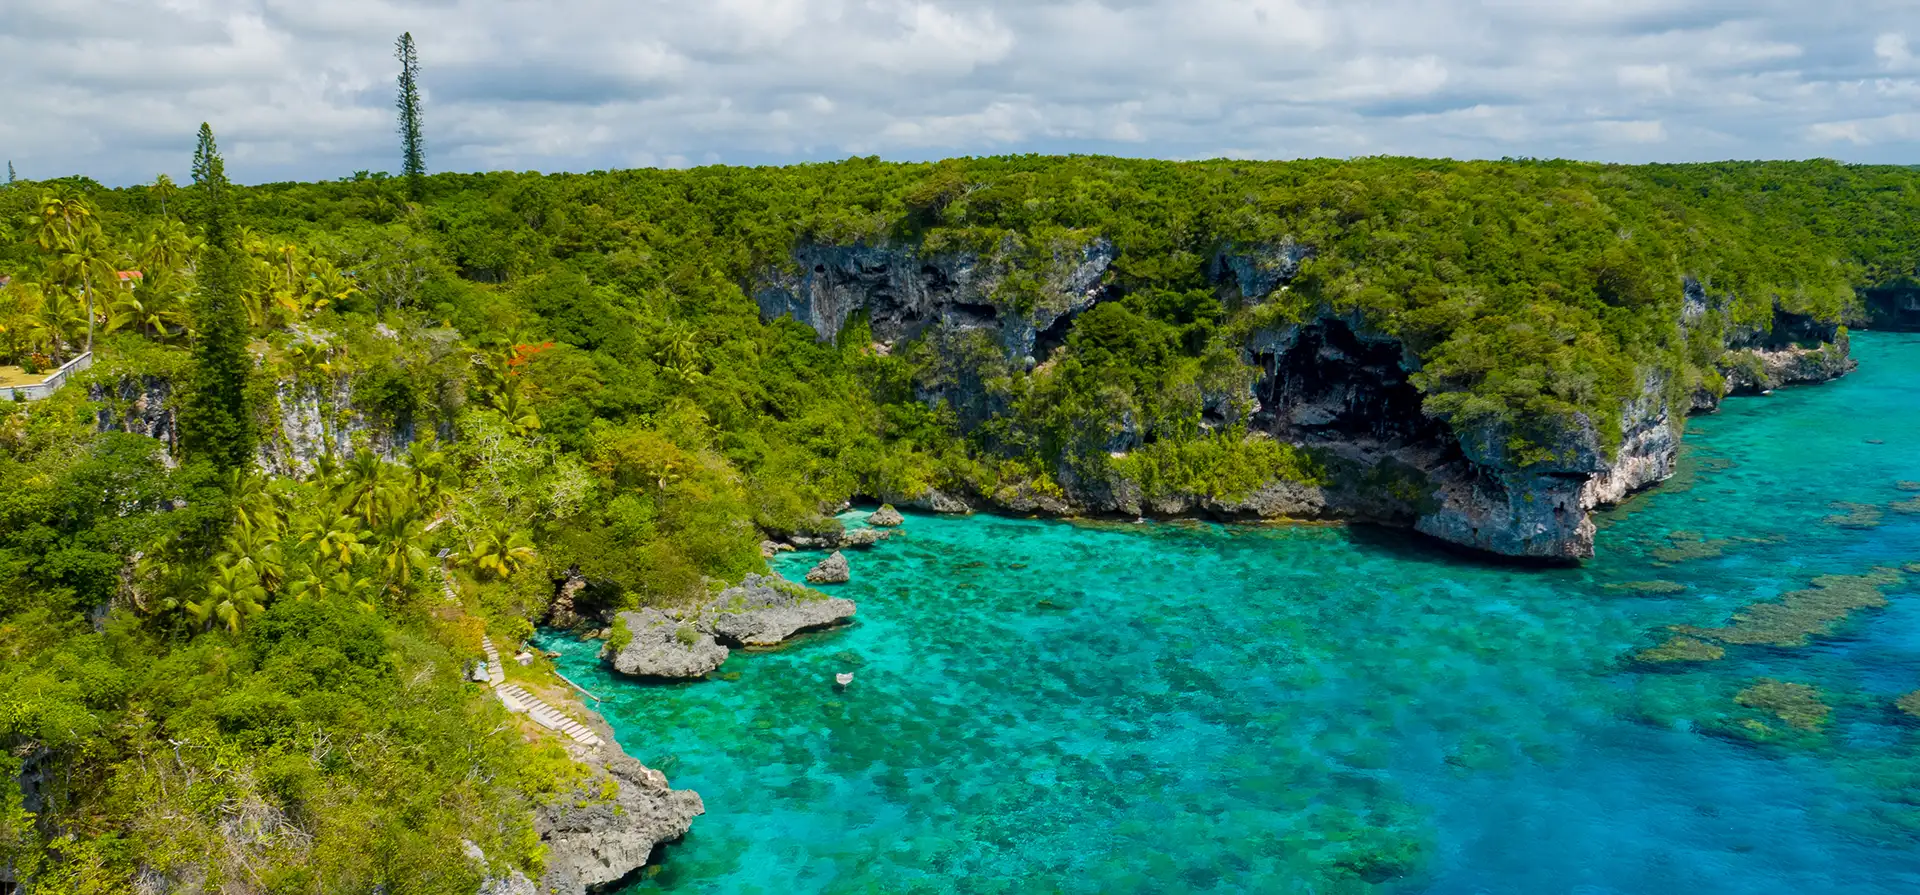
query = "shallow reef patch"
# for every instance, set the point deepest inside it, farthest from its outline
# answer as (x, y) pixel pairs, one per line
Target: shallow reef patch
(1800, 614)
(1854, 515)
(1653, 588)
(1798, 705)
(1682, 649)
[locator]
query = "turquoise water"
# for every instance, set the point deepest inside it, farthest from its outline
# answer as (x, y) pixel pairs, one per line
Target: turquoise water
(1042, 706)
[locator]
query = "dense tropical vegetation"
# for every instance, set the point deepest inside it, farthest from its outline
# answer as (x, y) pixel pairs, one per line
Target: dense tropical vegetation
(229, 660)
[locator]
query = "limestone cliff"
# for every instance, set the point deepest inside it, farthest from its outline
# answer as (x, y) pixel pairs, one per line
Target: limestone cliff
(1329, 384)
(305, 421)
(905, 290)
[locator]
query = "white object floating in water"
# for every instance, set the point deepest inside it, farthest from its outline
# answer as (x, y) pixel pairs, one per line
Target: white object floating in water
(843, 678)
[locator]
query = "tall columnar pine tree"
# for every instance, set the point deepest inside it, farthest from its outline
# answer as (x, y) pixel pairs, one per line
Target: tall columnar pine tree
(216, 424)
(12, 178)
(413, 147)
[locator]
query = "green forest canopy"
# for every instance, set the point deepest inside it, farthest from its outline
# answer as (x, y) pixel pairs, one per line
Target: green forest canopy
(590, 387)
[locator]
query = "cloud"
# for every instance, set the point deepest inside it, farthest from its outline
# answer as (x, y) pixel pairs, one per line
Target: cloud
(299, 89)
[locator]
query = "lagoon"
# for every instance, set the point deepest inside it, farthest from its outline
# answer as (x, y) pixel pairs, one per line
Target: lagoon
(1100, 707)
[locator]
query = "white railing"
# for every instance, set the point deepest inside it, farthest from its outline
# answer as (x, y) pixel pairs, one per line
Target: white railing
(48, 385)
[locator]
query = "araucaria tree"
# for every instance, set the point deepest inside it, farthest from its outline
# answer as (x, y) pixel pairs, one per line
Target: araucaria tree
(412, 146)
(216, 424)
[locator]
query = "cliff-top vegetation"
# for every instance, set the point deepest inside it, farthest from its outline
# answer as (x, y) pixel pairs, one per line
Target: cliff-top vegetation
(225, 658)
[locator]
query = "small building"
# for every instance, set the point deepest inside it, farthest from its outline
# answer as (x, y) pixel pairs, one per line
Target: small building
(130, 279)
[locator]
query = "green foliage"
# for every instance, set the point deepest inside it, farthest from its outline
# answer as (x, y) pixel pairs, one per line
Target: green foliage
(216, 422)
(1225, 466)
(413, 164)
(581, 367)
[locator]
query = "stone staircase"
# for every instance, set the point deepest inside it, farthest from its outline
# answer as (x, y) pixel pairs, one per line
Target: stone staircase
(515, 697)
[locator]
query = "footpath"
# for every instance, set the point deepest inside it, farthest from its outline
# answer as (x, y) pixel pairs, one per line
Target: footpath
(515, 697)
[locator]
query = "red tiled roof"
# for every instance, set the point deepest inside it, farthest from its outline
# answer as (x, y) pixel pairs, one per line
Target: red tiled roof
(130, 275)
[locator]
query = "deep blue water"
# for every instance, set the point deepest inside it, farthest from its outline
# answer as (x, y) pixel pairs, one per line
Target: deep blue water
(1044, 706)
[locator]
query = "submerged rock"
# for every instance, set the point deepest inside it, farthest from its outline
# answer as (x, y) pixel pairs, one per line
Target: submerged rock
(832, 570)
(663, 646)
(886, 517)
(592, 843)
(1682, 649)
(764, 611)
(863, 537)
(1648, 588)
(1800, 614)
(1797, 704)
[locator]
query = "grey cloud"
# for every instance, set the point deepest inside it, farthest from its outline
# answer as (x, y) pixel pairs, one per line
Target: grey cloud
(296, 88)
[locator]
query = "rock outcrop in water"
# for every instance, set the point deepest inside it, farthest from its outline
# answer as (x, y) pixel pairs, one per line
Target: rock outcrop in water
(765, 610)
(594, 843)
(832, 570)
(664, 646)
(690, 642)
(1328, 384)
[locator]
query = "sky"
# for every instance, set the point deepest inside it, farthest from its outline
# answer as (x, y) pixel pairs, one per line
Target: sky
(304, 89)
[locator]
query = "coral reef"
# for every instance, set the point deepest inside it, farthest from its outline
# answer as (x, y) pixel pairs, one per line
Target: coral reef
(1800, 614)
(1682, 649)
(1796, 704)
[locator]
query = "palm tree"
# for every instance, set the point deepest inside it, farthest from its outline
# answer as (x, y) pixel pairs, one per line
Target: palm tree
(233, 595)
(167, 246)
(326, 286)
(338, 542)
(500, 551)
(367, 492)
(163, 189)
(67, 229)
(521, 419)
(428, 471)
(398, 552)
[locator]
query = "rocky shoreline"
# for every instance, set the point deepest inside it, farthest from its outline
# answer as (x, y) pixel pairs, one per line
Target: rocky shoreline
(595, 843)
(1329, 385)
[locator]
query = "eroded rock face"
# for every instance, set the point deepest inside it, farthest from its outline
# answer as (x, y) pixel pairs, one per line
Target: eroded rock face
(664, 646)
(905, 291)
(832, 570)
(765, 611)
(886, 517)
(593, 846)
(138, 405)
(1257, 270)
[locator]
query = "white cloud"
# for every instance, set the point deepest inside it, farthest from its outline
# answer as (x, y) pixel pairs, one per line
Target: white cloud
(1893, 52)
(1649, 78)
(294, 88)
